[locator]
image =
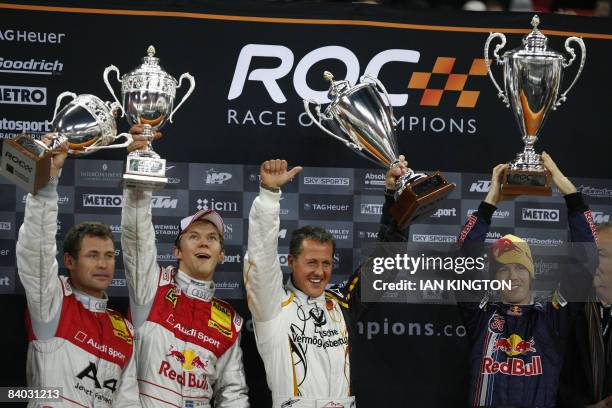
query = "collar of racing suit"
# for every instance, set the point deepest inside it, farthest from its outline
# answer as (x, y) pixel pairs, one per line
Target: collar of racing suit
(194, 288)
(91, 303)
(301, 295)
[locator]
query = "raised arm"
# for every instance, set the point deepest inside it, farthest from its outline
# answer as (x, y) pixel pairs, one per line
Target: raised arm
(138, 244)
(36, 254)
(262, 272)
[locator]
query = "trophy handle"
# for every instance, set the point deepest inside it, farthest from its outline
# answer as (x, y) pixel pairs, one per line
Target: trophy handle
(96, 146)
(384, 91)
(189, 91)
(572, 54)
(107, 70)
(501, 94)
(323, 128)
(59, 101)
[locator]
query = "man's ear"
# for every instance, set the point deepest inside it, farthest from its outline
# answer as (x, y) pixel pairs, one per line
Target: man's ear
(69, 261)
(176, 251)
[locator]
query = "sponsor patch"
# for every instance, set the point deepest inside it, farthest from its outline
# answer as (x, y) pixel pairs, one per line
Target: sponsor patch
(120, 329)
(171, 296)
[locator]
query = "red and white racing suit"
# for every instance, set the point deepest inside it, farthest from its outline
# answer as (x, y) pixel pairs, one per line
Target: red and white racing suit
(303, 341)
(187, 341)
(75, 341)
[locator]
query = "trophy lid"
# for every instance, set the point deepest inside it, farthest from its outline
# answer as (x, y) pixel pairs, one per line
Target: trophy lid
(535, 41)
(336, 88)
(150, 66)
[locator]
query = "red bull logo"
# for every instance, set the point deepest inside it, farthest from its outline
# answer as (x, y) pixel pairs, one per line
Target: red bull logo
(513, 366)
(514, 345)
(189, 361)
(504, 245)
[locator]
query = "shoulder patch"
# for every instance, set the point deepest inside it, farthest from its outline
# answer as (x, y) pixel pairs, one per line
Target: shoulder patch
(221, 317)
(238, 320)
(166, 275)
(66, 288)
(171, 296)
(120, 326)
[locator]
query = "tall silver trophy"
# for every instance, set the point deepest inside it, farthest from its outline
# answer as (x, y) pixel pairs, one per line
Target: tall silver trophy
(86, 123)
(532, 78)
(359, 117)
(148, 94)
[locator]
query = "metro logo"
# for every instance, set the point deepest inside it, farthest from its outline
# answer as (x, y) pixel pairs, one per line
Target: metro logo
(454, 82)
(540, 214)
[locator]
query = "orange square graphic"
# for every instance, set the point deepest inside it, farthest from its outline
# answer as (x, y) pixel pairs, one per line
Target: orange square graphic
(419, 80)
(468, 99)
(455, 82)
(444, 65)
(431, 97)
(478, 67)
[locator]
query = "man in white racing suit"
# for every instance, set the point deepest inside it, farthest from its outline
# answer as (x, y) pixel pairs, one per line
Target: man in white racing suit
(75, 341)
(301, 329)
(187, 341)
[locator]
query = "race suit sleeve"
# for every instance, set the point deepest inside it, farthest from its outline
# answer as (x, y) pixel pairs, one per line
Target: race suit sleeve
(127, 392)
(36, 261)
(263, 277)
(139, 252)
(471, 242)
(349, 293)
(231, 390)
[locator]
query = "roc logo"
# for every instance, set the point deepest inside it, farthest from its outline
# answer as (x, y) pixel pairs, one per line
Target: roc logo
(454, 82)
(119, 327)
(171, 297)
(220, 319)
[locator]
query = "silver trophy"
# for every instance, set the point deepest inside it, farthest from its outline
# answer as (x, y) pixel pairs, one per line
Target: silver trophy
(86, 123)
(532, 77)
(359, 117)
(148, 94)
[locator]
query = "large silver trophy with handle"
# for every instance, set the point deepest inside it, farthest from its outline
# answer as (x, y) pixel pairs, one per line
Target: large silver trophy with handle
(86, 123)
(532, 78)
(148, 94)
(359, 117)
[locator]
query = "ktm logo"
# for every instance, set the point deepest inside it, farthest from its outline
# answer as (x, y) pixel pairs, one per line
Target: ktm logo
(443, 67)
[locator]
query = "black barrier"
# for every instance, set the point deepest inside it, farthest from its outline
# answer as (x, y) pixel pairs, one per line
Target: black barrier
(253, 64)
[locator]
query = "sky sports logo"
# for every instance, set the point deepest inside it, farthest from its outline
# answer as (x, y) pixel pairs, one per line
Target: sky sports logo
(31, 66)
(540, 214)
(327, 181)
(23, 95)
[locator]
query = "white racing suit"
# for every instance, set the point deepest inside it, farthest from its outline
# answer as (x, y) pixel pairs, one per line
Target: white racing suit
(187, 341)
(75, 341)
(303, 341)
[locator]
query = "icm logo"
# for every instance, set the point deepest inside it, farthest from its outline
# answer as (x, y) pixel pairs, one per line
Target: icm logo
(600, 217)
(327, 181)
(374, 179)
(23, 95)
(212, 204)
(163, 202)
(445, 212)
(540, 214)
(371, 209)
(215, 177)
(31, 66)
(5, 226)
(480, 186)
(102, 200)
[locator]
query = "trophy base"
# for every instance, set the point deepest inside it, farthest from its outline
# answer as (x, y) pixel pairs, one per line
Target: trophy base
(143, 172)
(420, 199)
(25, 163)
(526, 182)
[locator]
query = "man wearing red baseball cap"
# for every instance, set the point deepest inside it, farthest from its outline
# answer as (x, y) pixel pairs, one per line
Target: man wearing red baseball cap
(187, 341)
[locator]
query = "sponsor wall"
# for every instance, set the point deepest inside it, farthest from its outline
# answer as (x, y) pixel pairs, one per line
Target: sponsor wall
(247, 108)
